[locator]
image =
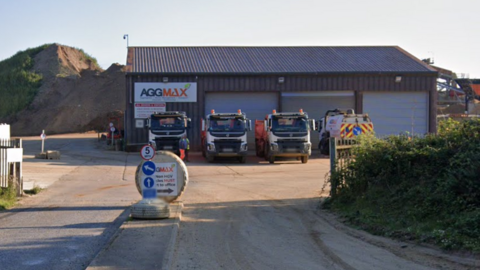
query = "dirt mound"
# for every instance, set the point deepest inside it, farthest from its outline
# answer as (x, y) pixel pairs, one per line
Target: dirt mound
(473, 108)
(76, 95)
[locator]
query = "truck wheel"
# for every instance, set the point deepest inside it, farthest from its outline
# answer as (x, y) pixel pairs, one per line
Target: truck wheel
(210, 159)
(271, 159)
(304, 159)
(242, 159)
(265, 153)
(259, 152)
(324, 149)
(204, 154)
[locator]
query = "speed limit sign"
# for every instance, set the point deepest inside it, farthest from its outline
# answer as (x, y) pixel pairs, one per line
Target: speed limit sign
(147, 152)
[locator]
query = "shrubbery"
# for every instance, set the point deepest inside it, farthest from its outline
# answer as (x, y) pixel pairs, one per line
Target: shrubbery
(427, 189)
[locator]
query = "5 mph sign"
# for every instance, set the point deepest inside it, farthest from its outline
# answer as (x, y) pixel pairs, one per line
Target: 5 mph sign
(147, 152)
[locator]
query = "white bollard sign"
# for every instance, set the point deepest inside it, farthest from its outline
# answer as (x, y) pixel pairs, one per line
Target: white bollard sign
(163, 177)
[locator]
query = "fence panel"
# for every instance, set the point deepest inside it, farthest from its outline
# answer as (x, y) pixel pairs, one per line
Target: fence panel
(340, 157)
(4, 131)
(11, 170)
(4, 172)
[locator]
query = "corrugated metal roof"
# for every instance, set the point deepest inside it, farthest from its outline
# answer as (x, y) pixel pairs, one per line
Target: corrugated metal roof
(273, 60)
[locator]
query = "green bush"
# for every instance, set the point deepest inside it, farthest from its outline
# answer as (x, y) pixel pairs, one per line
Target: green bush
(8, 197)
(18, 83)
(424, 188)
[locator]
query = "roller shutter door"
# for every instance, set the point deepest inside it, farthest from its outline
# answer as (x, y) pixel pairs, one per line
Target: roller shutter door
(395, 113)
(255, 105)
(316, 104)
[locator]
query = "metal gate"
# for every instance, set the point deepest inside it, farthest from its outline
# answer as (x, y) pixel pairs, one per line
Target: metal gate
(340, 157)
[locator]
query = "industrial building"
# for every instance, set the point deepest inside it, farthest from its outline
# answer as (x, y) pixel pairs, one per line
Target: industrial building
(396, 89)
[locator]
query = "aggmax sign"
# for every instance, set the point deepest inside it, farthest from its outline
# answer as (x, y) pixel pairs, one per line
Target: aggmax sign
(165, 92)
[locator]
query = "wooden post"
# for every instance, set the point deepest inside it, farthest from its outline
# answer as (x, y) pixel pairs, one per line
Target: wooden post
(333, 160)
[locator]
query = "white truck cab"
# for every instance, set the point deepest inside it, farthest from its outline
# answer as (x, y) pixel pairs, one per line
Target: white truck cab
(166, 129)
(225, 135)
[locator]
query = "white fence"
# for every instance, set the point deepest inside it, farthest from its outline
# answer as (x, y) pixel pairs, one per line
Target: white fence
(11, 157)
(4, 131)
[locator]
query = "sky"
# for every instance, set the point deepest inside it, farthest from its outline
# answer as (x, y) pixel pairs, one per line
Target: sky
(446, 31)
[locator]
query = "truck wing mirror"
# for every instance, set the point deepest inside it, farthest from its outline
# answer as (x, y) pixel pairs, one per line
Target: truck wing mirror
(249, 123)
(265, 125)
(147, 124)
(313, 124)
(203, 124)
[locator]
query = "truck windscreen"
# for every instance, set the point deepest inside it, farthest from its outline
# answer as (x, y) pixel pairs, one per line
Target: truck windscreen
(226, 124)
(167, 123)
(289, 124)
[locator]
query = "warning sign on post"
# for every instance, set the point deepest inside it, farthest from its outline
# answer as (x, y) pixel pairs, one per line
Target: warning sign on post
(164, 176)
(144, 110)
(166, 179)
(147, 152)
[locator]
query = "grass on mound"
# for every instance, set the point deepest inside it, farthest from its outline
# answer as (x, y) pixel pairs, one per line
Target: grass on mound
(18, 83)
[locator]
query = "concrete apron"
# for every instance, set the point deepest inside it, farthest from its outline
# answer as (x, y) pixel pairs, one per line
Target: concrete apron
(141, 244)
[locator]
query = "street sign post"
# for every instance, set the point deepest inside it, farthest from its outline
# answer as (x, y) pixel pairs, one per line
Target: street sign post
(112, 129)
(43, 136)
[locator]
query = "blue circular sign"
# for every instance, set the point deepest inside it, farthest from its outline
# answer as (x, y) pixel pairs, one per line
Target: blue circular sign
(148, 168)
(357, 131)
(148, 182)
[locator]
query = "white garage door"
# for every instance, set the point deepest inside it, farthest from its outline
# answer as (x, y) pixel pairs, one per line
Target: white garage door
(395, 113)
(255, 105)
(316, 104)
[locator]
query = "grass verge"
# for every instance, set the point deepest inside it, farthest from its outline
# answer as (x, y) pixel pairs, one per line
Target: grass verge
(8, 197)
(424, 189)
(34, 191)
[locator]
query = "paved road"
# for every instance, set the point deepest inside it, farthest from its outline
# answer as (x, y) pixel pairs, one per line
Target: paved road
(66, 225)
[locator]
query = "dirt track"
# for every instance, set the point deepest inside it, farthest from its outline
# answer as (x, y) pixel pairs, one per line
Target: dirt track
(262, 216)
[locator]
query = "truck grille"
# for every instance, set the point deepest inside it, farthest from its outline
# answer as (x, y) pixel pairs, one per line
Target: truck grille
(168, 132)
(227, 146)
(293, 146)
(290, 134)
(170, 144)
(227, 134)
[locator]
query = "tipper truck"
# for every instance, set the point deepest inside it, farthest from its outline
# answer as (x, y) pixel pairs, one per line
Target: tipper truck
(284, 134)
(166, 129)
(342, 123)
(225, 135)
